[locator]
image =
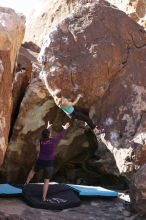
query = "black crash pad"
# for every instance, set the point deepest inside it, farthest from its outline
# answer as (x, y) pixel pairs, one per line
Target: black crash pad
(60, 196)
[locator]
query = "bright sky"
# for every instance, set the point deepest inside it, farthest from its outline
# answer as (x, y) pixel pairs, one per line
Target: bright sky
(20, 5)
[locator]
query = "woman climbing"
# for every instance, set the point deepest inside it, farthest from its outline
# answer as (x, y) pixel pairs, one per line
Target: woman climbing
(46, 156)
(71, 109)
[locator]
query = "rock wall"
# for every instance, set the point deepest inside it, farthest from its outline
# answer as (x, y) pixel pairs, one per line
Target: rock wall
(83, 51)
(22, 77)
(11, 35)
(92, 55)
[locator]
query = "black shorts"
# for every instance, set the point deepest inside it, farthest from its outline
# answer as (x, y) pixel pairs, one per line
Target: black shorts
(46, 166)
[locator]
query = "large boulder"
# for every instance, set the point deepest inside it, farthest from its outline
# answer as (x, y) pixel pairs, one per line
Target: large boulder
(105, 60)
(136, 9)
(11, 35)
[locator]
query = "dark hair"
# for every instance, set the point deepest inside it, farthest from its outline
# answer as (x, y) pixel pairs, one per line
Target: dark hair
(45, 133)
(59, 95)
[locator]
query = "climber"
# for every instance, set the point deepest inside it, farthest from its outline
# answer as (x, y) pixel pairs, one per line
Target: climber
(70, 108)
(46, 156)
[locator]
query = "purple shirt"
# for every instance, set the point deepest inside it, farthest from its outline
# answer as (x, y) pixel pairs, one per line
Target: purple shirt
(47, 147)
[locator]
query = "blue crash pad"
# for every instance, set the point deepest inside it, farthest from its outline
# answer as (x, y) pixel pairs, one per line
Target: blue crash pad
(7, 189)
(93, 191)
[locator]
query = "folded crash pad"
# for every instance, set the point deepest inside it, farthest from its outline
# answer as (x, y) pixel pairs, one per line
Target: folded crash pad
(9, 190)
(93, 191)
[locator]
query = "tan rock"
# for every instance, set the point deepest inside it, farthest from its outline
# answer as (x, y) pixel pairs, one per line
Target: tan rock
(36, 109)
(22, 76)
(11, 35)
(11, 32)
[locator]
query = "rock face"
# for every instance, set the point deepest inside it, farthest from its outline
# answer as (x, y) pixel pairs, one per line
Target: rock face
(136, 9)
(75, 159)
(138, 190)
(22, 77)
(36, 109)
(84, 52)
(105, 60)
(11, 35)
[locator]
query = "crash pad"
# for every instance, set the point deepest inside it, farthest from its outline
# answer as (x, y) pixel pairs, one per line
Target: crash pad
(94, 191)
(60, 196)
(7, 189)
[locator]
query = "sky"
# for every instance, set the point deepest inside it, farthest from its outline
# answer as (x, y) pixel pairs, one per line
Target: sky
(20, 5)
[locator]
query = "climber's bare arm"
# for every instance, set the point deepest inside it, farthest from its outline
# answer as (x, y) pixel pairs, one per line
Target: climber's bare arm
(48, 86)
(68, 103)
